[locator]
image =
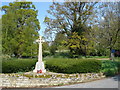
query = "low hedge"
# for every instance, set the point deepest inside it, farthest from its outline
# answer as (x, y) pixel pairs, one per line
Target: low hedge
(73, 65)
(19, 65)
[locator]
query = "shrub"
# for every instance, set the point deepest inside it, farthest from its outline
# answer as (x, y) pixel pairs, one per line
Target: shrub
(110, 68)
(22, 65)
(45, 54)
(73, 65)
(61, 55)
(118, 67)
(53, 49)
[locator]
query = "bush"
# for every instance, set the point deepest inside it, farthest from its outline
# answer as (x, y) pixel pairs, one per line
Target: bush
(19, 65)
(45, 54)
(119, 67)
(53, 49)
(61, 55)
(73, 65)
(110, 68)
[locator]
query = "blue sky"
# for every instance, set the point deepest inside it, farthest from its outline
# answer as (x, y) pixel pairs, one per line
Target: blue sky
(41, 7)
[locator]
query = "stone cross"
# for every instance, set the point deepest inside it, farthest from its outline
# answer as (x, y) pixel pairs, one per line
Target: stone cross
(39, 40)
(40, 63)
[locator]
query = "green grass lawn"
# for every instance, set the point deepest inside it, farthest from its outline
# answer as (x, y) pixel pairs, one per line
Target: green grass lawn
(117, 59)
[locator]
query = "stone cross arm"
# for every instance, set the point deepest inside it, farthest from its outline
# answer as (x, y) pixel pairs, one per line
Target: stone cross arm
(40, 40)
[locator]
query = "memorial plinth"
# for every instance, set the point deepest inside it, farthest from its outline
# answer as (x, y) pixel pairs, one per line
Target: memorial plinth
(40, 68)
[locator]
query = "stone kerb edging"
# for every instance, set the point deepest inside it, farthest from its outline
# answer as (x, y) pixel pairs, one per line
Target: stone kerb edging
(45, 80)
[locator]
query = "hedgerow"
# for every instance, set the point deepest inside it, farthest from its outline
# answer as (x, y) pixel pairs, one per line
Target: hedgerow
(22, 65)
(73, 65)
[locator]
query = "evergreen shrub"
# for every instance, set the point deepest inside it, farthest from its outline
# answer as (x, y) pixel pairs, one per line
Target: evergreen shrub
(73, 65)
(22, 65)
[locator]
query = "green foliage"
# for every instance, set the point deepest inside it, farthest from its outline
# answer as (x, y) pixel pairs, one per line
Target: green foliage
(58, 42)
(17, 65)
(106, 34)
(77, 44)
(63, 65)
(45, 49)
(53, 49)
(110, 68)
(45, 54)
(97, 57)
(70, 18)
(20, 28)
(61, 55)
(45, 46)
(117, 59)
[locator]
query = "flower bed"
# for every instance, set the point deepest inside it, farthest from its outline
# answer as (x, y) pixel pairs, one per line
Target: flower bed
(47, 79)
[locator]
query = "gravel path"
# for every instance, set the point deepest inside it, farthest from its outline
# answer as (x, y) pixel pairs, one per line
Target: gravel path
(105, 83)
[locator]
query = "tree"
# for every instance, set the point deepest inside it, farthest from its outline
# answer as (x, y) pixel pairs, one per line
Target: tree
(45, 49)
(69, 17)
(20, 28)
(107, 32)
(59, 41)
(0, 45)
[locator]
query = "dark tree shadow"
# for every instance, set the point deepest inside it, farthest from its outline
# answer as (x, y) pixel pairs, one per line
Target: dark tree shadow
(116, 78)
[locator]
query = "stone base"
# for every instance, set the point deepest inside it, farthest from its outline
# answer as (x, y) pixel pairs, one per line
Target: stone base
(39, 66)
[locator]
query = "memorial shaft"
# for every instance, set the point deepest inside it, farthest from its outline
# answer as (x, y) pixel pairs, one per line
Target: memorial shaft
(40, 51)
